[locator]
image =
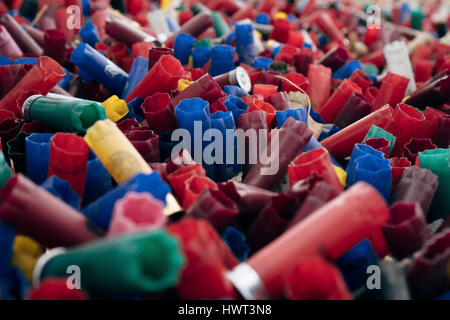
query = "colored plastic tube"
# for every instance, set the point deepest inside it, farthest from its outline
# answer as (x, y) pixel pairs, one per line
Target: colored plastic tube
(438, 161)
(262, 62)
(376, 132)
(326, 23)
(162, 77)
(5, 171)
(259, 105)
(291, 140)
(183, 47)
(398, 166)
(159, 116)
(404, 124)
(236, 242)
(279, 101)
(62, 190)
(427, 275)
(255, 120)
(146, 143)
(359, 150)
(137, 212)
(433, 94)
(223, 170)
(73, 115)
(236, 106)
(37, 148)
(443, 132)
(100, 211)
(44, 75)
(347, 70)
(373, 170)
(220, 25)
(10, 75)
(245, 47)
(154, 263)
(330, 110)
(123, 31)
(205, 88)
(166, 145)
(380, 144)
(317, 161)
(42, 216)
(115, 108)
(354, 263)
(222, 59)
(319, 78)
(195, 26)
(68, 160)
(137, 73)
(192, 112)
(320, 194)
(416, 185)
(98, 180)
(7, 235)
(23, 39)
(392, 91)
(361, 79)
(297, 114)
(274, 215)
(346, 219)
(356, 108)
(407, 230)
(178, 178)
(155, 53)
(89, 34)
(8, 47)
(265, 90)
(398, 62)
(250, 200)
(303, 61)
(95, 66)
(214, 206)
(415, 146)
(208, 258)
(115, 151)
(55, 45)
(157, 22)
(335, 58)
(200, 56)
(316, 279)
(340, 144)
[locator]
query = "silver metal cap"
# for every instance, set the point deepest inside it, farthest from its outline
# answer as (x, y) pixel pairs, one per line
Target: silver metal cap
(247, 282)
(240, 77)
(40, 264)
(26, 106)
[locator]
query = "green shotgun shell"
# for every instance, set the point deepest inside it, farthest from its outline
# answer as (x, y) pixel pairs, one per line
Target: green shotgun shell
(220, 26)
(116, 267)
(416, 19)
(377, 132)
(438, 161)
(69, 115)
(5, 171)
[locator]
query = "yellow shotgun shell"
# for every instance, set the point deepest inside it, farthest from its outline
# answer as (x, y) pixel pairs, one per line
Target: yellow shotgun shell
(342, 175)
(115, 108)
(120, 157)
(183, 84)
(26, 253)
(115, 151)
